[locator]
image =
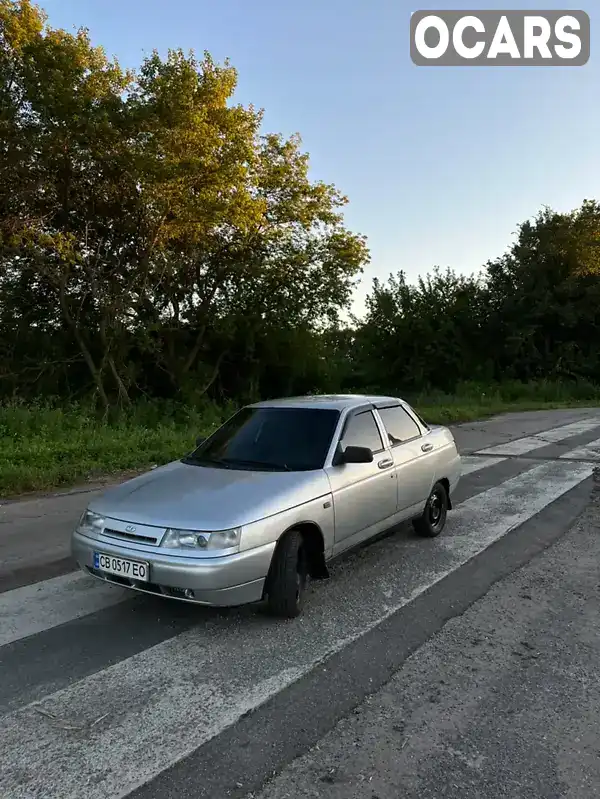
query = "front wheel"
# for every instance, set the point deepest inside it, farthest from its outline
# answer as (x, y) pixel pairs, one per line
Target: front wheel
(433, 519)
(288, 577)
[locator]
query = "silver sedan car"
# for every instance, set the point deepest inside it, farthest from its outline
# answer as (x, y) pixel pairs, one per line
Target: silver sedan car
(269, 498)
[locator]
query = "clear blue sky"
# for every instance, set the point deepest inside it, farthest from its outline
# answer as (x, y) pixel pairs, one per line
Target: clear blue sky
(440, 164)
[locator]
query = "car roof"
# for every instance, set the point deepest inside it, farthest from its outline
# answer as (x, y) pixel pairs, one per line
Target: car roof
(337, 402)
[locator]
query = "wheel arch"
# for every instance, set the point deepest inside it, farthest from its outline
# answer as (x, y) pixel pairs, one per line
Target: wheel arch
(314, 542)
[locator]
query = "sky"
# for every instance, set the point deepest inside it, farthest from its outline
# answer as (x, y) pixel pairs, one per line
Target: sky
(440, 164)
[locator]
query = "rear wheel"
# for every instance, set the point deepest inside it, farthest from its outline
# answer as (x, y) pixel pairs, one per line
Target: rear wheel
(288, 576)
(431, 523)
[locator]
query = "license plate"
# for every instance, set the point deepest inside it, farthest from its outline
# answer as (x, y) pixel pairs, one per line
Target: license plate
(133, 569)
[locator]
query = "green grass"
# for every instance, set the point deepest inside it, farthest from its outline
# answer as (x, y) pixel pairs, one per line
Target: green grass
(50, 446)
(477, 401)
(45, 446)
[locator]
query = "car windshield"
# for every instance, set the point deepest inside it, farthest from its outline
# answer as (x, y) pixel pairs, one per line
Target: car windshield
(282, 439)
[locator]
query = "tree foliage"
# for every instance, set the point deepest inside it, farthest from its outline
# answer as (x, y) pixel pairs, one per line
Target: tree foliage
(155, 241)
(533, 313)
(149, 232)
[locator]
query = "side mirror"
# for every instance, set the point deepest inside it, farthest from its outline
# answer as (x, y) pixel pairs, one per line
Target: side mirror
(200, 440)
(357, 455)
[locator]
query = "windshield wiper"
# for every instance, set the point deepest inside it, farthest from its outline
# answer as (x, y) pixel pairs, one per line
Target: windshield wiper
(265, 464)
(191, 459)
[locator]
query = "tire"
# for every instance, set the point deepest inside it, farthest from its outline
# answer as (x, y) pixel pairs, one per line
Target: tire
(288, 577)
(431, 523)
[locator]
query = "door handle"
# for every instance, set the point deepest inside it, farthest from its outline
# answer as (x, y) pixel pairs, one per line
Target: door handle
(385, 463)
(426, 447)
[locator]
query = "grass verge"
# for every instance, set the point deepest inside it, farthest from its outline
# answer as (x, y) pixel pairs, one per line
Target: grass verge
(43, 447)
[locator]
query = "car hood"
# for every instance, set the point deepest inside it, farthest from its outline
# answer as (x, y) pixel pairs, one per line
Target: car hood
(183, 496)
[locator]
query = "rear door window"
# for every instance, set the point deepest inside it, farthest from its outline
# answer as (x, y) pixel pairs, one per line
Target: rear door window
(399, 425)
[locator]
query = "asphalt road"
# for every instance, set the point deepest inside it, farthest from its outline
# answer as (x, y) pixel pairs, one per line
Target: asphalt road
(503, 702)
(104, 694)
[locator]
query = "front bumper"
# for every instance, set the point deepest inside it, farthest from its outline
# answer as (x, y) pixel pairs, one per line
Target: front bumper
(221, 582)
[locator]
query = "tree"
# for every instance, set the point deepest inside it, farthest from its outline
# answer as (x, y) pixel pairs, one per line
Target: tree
(146, 220)
(545, 297)
(423, 336)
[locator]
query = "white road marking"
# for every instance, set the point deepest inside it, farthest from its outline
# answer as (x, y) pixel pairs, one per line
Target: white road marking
(521, 446)
(117, 728)
(34, 608)
(588, 452)
(470, 464)
(41, 606)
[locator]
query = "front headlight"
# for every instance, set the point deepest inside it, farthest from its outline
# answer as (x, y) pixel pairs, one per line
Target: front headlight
(91, 522)
(224, 540)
